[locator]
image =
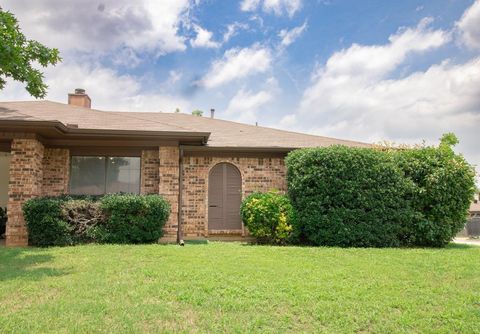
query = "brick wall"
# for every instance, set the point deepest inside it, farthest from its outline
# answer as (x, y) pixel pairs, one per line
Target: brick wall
(168, 187)
(26, 176)
(149, 172)
(56, 171)
(258, 174)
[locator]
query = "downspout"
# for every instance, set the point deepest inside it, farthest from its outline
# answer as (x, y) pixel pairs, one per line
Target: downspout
(180, 191)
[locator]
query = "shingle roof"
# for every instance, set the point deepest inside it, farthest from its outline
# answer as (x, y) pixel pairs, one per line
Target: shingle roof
(223, 133)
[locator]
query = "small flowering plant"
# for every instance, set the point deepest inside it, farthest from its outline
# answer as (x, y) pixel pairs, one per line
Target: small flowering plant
(269, 217)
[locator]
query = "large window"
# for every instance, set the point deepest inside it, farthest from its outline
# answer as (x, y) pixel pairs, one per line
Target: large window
(104, 175)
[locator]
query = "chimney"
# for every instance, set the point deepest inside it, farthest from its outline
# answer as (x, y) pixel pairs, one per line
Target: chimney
(212, 113)
(79, 98)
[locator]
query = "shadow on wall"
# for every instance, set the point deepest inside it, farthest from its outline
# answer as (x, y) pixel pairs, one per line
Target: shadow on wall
(26, 264)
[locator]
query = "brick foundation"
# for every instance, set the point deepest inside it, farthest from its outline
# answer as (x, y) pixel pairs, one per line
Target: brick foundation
(258, 174)
(26, 176)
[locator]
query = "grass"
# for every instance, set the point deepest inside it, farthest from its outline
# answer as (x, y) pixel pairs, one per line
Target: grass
(229, 287)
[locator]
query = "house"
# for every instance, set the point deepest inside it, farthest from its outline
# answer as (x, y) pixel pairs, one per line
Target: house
(472, 227)
(202, 166)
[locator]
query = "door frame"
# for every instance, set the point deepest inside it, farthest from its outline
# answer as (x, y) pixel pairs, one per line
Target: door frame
(207, 185)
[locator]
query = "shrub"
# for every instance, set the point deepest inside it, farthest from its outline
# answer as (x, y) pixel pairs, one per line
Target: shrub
(268, 217)
(133, 219)
(83, 215)
(444, 188)
(45, 224)
(390, 197)
(348, 196)
(118, 218)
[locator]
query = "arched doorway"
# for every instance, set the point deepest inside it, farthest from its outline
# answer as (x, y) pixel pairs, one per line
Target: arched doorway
(224, 198)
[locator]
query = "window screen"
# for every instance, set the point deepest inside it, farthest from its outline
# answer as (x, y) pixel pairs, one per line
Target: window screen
(102, 175)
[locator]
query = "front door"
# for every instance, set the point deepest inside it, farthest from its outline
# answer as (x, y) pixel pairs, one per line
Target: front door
(224, 198)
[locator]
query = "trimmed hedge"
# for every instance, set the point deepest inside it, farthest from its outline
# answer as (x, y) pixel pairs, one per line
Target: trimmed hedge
(116, 218)
(268, 217)
(365, 197)
(348, 197)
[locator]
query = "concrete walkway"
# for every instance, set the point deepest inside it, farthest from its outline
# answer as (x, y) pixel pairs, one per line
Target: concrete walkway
(467, 241)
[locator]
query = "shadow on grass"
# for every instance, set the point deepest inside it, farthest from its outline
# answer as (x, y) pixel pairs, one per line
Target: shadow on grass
(23, 264)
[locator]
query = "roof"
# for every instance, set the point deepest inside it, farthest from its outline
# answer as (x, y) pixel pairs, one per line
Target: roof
(223, 133)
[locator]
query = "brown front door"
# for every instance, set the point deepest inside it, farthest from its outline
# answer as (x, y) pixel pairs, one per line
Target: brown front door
(224, 198)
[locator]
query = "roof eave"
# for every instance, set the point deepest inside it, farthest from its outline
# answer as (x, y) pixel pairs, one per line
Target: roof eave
(62, 129)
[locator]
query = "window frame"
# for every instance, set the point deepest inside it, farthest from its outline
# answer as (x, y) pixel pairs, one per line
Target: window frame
(105, 171)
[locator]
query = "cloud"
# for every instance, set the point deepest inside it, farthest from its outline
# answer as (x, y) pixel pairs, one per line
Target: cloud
(353, 94)
(367, 62)
(203, 38)
(469, 26)
(232, 30)
(144, 25)
(243, 107)
(289, 36)
(108, 89)
(276, 7)
(236, 64)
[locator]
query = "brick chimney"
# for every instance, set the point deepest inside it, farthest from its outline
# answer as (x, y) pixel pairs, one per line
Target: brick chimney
(79, 98)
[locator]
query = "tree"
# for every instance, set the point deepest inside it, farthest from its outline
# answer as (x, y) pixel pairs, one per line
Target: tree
(17, 54)
(197, 113)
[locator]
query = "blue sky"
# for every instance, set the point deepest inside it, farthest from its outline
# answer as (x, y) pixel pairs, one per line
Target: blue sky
(402, 71)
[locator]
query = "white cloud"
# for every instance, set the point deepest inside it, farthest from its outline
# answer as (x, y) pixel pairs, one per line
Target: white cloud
(289, 36)
(249, 5)
(354, 96)
(246, 105)
(108, 89)
(469, 26)
(232, 30)
(174, 77)
(277, 7)
(203, 38)
(141, 25)
(366, 62)
(243, 107)
(236, 64)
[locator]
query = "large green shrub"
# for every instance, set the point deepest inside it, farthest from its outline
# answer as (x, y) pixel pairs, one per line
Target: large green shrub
(268, 217)
(444, 188)
(348, 196)
(380, 197)
(117, 218)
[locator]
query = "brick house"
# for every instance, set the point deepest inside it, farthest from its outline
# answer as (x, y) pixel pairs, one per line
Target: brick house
(201, 165)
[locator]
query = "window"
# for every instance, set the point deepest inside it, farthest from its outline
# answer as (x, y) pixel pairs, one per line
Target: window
(103, 175)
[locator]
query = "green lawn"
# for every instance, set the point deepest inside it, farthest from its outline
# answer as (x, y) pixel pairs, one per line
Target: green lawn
(228, 287)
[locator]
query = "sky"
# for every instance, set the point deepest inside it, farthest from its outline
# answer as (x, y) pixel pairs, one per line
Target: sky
(398, 71)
